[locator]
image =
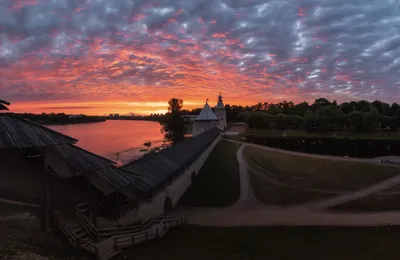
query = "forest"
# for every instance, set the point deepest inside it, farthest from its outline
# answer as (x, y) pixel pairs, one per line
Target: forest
(321, 115)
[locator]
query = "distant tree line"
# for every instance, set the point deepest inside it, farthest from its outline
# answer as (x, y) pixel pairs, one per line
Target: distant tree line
(322, 115)
(151, 117)
(60, 118)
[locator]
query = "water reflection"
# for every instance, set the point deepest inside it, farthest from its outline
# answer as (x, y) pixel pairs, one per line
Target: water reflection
(118, 140)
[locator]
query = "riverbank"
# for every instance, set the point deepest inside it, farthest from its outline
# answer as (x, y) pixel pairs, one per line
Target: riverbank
(64, 119)
(60, 119)
(117, 140)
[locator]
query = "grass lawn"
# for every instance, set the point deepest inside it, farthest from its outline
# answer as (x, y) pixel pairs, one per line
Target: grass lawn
(339, 134)
(314, 173)
(273, 243)
(371, 203)
(272, 194)
(218, 182)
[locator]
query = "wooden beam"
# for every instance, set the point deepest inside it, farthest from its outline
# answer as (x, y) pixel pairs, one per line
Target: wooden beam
(118, 205)
(52, 200)
(46, 213)
(93, 205)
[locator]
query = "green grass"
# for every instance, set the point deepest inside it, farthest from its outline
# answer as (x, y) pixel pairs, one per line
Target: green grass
(338, 134)
(273, 243)
(218, 182)
(272, 194)
(314, 173)
(371, 203)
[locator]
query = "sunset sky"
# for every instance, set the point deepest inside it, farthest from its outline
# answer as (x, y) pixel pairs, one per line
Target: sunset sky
(122, 56)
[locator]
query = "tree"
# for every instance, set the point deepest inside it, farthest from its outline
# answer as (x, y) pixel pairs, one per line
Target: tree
(280, 121)
(390, 121)
(347, 107)
(274, 110)
(293, 121)
(175, 126)
(242, 116)
(371, 119)
(364, 121)
(299, 109)
(309, 120)
(382, 107)
(258, 106)
(255, 119)
(329, 117)
(319, 102)
(363, 106)
(233, 111)
(394, 109)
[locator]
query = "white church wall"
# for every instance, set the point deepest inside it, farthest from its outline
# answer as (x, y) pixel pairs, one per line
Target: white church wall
(174, 191)
(221, 114)
(202, 126)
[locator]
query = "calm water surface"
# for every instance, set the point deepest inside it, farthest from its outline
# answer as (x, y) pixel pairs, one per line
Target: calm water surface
(118, 140)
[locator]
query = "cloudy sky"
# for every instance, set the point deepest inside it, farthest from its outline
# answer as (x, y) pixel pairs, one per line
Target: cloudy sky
(103, 56)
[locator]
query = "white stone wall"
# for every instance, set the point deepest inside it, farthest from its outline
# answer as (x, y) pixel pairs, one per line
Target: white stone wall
(221, 115)
(202, 126)
(174, 191)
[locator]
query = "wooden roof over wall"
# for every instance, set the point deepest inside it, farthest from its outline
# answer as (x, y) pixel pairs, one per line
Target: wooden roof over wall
(3, 103)
(19, 133)
(3, 107)
(155, 169)
(69, 161)
(78, 159)
(135, 180)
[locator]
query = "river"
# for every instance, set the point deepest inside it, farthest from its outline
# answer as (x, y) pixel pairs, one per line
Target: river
(117, 140)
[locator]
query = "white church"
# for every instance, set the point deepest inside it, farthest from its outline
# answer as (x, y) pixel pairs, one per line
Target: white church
(207, 119)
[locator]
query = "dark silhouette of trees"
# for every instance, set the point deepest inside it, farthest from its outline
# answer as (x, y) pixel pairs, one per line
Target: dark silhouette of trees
(174, 126)
(299, 109)
(330, 117)
(309, 120)
(322, 115)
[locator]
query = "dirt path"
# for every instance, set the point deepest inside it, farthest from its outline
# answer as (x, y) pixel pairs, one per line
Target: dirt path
(246, 199)
(249, 212)
(325, 203)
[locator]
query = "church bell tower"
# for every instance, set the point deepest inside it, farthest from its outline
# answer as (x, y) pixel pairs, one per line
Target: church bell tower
(220, 112)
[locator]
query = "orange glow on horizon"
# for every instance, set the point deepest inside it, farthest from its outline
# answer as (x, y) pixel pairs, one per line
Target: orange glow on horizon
(112, 107)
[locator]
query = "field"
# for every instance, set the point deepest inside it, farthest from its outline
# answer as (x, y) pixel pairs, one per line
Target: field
(272, 194)
(339, 134)
(371, 203)
(275, 243)
(218, 182)
(303, 172)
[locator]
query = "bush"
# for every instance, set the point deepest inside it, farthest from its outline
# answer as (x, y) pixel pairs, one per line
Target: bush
(294, 121)
(309, 120)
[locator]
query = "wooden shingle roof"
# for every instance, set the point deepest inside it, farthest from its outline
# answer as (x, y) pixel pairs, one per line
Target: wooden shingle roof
(3, 107)
(155, 169)
(19, 133)
(77, 160)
